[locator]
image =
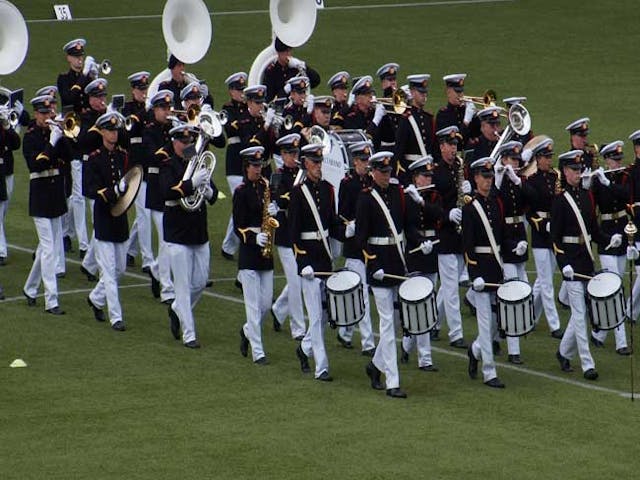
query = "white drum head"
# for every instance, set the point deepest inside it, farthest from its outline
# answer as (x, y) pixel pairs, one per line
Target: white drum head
(415, 288)
(343, 281)
(514, 290)
(604, 284)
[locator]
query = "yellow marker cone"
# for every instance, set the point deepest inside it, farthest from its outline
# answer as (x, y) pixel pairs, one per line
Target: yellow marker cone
(18, 363)
(221, 196)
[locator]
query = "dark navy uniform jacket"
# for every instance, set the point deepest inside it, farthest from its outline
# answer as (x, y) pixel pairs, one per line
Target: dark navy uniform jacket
(137, 113)
(454, 115)
(406, 142)
(71, 89)
(282, 196)
(157, 147)
(543, 185)
(613, 201)
(445, 179)
(350, 188)
(514, 199)
(235, 111)
(276, 76)
(422, 221)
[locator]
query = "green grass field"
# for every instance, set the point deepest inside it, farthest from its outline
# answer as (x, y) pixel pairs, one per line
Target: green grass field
(94, 403)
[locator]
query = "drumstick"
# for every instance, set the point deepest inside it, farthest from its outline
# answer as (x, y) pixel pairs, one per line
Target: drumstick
(395, 277)
(344, 219)
(417, 249)
(323, 274)
(493, 285)
(584, 277)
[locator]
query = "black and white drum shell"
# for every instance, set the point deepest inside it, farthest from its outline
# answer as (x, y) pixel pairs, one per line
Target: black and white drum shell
(345, 298)
(515, 308)
(418, 309)
(606, 301)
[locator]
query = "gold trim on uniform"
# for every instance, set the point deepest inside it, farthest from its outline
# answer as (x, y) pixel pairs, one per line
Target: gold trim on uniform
(42, 156)
(536, 222)
(76, 87)
(298, 251)
(101, 193)
(468, 261)
(367, 257)
(556, 250)
(178, 188)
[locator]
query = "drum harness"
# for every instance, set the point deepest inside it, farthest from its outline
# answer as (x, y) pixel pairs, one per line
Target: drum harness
(416, 132)
(487, 227)
(392, 225)
(583, 227)
(316, 216)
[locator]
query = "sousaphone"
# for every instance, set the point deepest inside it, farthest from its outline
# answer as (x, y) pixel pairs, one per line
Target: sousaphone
(14, 38)
(133, 178)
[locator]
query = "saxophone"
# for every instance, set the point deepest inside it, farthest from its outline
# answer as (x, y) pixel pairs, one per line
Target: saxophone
(463, 198)
(269, 223)
(558, 185)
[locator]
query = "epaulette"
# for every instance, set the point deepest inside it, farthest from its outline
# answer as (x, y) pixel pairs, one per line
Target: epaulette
(119, 148)
(162, 152)
(94, 153)
(366, 189)
(271, 66)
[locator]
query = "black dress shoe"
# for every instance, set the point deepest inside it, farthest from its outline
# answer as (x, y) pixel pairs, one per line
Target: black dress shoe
(60, 275)
(226, 256)
(82, 254)
(262, 361)
(325, 377)
(515, 359)
(557, 333)
(374, 374)
(119, 326)
(345, 343)
(90, 276)
(3, 261)
(192, 344)
(473, 364)
(595, 342)
(495, 382)
(1, 293)
(459, 343)
(299, 338)
(369, 353)
(497, 349)
(209, 283)
(98, 313)
(435, 335)
(66, 243)
(396, 393)
(146, 270)
(244, 343)
(562, 304)
(174, 323)
(55, 311)
(591, 374)
(168, 301)
(624, 351)
(404, 355)
(276, 324)
(155, 285)
(428, 368)
(31, 301)
(565, 365)
(304, 360)
(238, 284)
(131, 260)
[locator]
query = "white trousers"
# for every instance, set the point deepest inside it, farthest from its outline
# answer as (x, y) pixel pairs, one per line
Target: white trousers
(161, 266)
(635, 297)
(4, 206)
(89, 262)
(76, 205)
(575, 336)
(44, 266)
(617, 264)
(543, 292)
(421, 342)
(450, 267)
(386, 356)
(190, 269)
(366, 331)
(482, 348)
(112, 262)
(515, 270)
(231, 241)
(140, 234)
(289, 303)
(313, 342)
(257, 288)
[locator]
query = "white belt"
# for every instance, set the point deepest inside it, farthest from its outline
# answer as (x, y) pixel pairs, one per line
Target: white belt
(85, 157)
(614, 215)
(485, 250)
(153, 170)
(543, 214)
(314, 235)
(172, 203)
(513, 220)
(387, 144)
(233, 140)
(1, 161)
(384, 240)
(412, 157)
(135, 140)
(45, 174)
(579, 240)
(636, 204)
(427, 233)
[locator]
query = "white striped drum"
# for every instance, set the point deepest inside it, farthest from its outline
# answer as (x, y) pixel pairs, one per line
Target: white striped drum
(515, 308)
(606, 301)
(346, 301)
(418, 308)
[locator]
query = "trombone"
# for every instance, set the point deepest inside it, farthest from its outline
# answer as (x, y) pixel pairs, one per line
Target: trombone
(70, 124)
(488, 99)
(397, 103)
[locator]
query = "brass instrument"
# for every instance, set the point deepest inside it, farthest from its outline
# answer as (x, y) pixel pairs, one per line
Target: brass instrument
(279, 120)
(397, 103)
(200, 158)
(70, 124)
(593, 150)
(462, 198)
(93, 68)
(558, 185)
(191, 113)
(269, 223)
(14, 35)
(9, 116)
(488, 99)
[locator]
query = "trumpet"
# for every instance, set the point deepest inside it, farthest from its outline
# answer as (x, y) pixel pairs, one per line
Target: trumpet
(397, 103)
(93, 67)
(9, 116)
(279, 120)
(70, 124)
(488, 99)
(191, 113)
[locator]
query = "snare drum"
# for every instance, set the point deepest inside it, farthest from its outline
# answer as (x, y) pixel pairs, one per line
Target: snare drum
(346, 300)
(515, 308)
(418, 308)
(606, 301)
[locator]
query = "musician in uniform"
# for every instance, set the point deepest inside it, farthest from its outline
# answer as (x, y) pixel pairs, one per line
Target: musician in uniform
(573, 227)
(158, 149)
(186, 232)
(338, 84)
(255, 268)
(458, 113)
(179, 80)
(289, 302)
(300, 105)
(362, 115)
(9, 141)
(544, 183)
(490, 131)
(236, 109)
(350, 187)
(255, 128)
(103, 182)
(312, 220)
(523, 139)
(135, 111)
(387, 74)
(578, 140)
(283, 68)
(612, 193)
(415, 136)
(634, 174)
(321, 114)
(450, 182)
(482, 236)
(380, 216)
(45, 150)
(424, 212)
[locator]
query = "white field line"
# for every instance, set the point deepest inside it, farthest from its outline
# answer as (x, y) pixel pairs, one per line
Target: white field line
(71, 292)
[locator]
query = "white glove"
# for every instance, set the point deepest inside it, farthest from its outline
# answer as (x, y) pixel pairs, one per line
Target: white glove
(310, 99)
(415, 195)
(521, 248)
(498, 171)
(208, 192)
(602, 178)
(379, 113)
(351, 99)
(567, 272)
(548, 227)
(110, 108)
(632, 253)
(350, 231)
(120, 187)
(526, 155)
(269, 116)
(378, 275)
(55, 135)
(297, 64)
(478, 284)
(307, 272)
(466, 187)
(199, 178)
(455, 215)
(616, 240)
(469, 112)
(262, 239)
(512, 175)
(273, 209)
(586, 180)
(426, 247)
(204, 89)
(88, 65)
(287, 88)
(18, 107)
